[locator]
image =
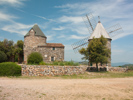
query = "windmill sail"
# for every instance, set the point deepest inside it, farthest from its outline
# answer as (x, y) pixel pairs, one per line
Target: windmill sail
(80, 44)
(114, 30)
(90, 22)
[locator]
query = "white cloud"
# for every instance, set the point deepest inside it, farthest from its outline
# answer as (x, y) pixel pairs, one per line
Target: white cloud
(76, 37)
(17, 28)
(71, 55)
(12, 26)
(59, 28)
(61, 36)
(15, 3)
(120, 35)
(70, 19)
(50, 37)
(6, 17)
(117, 51)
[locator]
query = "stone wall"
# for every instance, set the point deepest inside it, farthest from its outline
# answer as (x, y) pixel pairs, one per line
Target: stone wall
(46, 52)
(45, 70)
(117, 69)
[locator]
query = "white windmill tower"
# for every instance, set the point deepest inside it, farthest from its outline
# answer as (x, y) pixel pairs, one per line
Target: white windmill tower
(97, 30)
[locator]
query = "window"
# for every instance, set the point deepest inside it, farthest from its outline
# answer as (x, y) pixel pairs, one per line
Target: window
(52, 58)
(53, 48)
(90, 64)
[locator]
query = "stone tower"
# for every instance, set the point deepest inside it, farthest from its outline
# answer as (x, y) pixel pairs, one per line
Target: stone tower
(97, 33)
(34, 37)
(35, 41)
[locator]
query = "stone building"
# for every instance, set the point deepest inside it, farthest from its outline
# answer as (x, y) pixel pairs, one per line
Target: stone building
(97, 33)
(36, 41)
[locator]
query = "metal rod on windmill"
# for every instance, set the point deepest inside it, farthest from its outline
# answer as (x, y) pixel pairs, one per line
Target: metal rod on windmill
(89, 22)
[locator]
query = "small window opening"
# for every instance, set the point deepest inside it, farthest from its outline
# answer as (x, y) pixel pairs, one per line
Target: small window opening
(90, 64)
(53, 48)
(52, 58)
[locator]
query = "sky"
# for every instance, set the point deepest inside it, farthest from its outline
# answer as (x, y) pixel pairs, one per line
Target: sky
(61, 21)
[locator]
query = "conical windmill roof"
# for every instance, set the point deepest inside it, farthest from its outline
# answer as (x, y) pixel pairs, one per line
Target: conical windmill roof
(99, 31)
(37, 30)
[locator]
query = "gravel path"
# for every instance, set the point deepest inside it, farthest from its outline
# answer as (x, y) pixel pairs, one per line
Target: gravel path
(66, 89)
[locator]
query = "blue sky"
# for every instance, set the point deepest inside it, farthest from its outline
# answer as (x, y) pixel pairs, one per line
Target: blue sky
(61, 21)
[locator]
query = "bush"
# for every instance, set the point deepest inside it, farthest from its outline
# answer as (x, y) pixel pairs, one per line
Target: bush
(3, 57)
(61, 64)
(42, 63)
(55, 63)
(10, 69)
(71, 63)
(35, 58)
(130, 67)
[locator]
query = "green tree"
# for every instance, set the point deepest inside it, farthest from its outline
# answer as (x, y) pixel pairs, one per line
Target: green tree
(9, 49)
(85, 53)
(12, 50)
(19, 50)
(97, 51)
(3, 56)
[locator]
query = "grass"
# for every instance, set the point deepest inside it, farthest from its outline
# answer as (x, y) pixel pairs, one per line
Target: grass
(93, 75)
(61, 63)
(87, 75)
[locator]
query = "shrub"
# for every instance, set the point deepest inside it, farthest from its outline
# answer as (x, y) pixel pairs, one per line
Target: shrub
(3, 57)
(130, 67)
(61, 64)
(55, 63)
(10, 69)
(35, 58)
(42, 63)
(71, 63)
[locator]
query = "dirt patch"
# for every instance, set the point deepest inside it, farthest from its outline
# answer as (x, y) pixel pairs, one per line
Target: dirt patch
(66, 89)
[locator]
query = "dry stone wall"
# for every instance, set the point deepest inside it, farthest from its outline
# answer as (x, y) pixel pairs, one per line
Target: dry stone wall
(117, 69)
(45, 70)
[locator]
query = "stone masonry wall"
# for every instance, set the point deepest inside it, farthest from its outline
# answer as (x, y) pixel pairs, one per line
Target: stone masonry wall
(117, 69)
(45, 70)
(46, 52)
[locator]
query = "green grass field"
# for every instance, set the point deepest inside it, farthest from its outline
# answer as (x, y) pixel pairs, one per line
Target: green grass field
(87, 75)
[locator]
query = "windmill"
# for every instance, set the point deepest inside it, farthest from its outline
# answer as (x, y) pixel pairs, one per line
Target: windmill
(96, 30)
